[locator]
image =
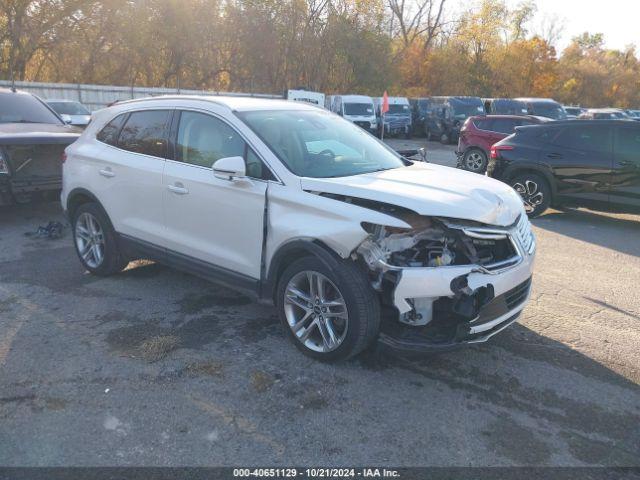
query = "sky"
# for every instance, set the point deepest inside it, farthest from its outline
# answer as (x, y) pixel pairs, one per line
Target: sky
(618, 20)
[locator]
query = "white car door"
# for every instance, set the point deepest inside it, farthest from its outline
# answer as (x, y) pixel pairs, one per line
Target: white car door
(128, 174)
(216, 221)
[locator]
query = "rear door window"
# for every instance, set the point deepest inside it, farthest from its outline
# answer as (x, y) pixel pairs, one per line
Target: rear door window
(146, 132)
(503, 125)
(596, 138)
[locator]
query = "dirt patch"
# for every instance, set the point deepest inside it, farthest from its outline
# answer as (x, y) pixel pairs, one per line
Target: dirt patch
(5, 305)
(158, 347)
(211, 369)
(261, 381)
(315, 401)
(517, 443)
(194, 303)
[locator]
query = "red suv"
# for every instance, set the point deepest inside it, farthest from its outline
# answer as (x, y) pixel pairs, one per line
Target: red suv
(479, 133)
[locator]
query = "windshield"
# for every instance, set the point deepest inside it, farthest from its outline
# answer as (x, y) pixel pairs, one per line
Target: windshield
(22, 108)
(396, 109)
(465, 110)
(69, 108)
(320, 145)
(509, 107)
(358, 109)
(549, 110)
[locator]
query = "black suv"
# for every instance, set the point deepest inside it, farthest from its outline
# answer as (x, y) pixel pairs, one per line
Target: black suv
(32, 140)
(590, 163)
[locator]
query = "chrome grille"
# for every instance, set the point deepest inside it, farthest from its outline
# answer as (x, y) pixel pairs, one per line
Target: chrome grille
(525, 235)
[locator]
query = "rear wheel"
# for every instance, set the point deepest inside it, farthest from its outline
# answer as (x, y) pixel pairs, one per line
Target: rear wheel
(535, 192)
(330, 314)
(474, 160)
(95, 241)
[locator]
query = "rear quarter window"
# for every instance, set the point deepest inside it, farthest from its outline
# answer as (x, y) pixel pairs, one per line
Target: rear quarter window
(109, 133)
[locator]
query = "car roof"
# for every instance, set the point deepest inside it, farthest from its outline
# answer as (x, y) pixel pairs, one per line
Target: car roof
(61, 100)
(535, 99)
(565, 123)
(14, 92)
(233, 103)
(605, 110)
(512, 117)
(356, 97)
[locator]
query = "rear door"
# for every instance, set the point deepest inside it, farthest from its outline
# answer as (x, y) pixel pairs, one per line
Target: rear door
(128, 174)
(218, 222)
(581, 157)
(625, 178)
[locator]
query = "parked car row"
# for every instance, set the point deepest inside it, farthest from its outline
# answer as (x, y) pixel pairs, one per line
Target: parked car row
(315, 215)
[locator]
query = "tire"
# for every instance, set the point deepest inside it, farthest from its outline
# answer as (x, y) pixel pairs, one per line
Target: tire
(535, 192)
(474, 160)
(444, 139)
(345, 281)
(95, 241)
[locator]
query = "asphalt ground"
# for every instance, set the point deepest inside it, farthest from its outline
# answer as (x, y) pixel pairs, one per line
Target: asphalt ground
(157, 367)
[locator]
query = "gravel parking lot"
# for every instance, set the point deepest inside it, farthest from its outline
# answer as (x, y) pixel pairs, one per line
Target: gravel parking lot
(156, 367)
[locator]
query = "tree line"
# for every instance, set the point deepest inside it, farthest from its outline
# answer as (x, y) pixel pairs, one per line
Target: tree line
(408, 47)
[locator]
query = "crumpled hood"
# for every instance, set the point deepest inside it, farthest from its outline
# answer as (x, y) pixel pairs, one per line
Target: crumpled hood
(31, 133)
(430, 190)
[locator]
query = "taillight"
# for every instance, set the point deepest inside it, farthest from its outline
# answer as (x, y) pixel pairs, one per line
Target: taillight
(496, 149)
(64, 157)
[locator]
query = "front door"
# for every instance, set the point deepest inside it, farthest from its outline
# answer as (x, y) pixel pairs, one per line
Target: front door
(218, 222)
(625, 179)
(581, 157)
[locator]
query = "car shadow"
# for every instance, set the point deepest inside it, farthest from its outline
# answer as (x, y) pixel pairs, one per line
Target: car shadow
(542, 392)
(620, 232)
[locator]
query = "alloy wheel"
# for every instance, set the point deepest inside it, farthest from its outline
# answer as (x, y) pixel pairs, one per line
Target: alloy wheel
(530, 193)
(474, 161)
(90, 240)
(316, 311)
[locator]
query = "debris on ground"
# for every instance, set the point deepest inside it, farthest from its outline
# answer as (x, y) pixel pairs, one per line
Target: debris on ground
(158, 347)
(53, 230)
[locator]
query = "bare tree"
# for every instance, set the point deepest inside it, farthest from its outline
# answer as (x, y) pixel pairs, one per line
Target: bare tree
(417, 19)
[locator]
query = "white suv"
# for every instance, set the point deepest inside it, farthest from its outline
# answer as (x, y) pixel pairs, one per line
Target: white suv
(305, 210)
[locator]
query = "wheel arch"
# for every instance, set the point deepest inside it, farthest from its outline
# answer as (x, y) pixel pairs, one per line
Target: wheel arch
(290, 252)
(519, 169)
(80, 196)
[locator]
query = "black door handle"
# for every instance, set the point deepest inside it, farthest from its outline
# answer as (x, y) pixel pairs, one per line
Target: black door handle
(554, 156)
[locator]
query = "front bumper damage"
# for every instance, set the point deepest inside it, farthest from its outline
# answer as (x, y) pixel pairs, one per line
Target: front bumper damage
(441, 306)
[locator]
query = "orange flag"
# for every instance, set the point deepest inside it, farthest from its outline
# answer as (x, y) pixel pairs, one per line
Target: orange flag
(385, 103)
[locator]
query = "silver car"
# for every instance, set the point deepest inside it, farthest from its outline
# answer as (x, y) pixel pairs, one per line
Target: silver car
(72, 112)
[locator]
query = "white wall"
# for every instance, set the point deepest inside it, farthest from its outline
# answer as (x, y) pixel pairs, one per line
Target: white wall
(95, 97)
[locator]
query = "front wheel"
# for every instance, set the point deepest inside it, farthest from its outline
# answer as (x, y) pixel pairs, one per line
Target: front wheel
(535, 192)
(329, 313)
(444, 139)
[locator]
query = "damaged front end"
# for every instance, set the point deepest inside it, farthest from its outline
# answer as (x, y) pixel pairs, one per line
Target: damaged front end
(447, 282)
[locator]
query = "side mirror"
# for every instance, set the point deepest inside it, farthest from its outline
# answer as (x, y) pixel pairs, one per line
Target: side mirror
(229, 168)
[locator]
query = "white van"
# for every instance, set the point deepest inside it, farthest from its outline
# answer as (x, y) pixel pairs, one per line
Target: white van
(358, 109)
(307, 96)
